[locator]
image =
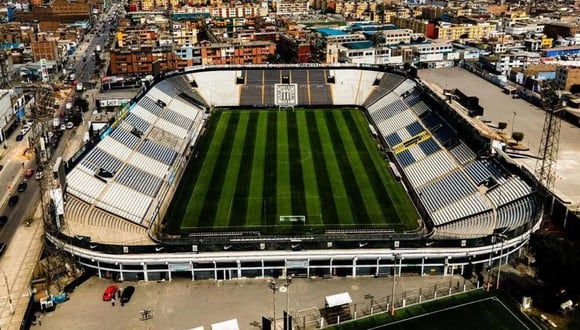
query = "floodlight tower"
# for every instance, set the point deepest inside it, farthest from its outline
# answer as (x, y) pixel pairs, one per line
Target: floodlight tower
(548, 152)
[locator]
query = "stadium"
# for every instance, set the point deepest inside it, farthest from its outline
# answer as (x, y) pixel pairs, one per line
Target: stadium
(225, 172)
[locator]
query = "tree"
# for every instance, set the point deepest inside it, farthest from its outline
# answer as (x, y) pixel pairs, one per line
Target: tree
(518, 136)
(502, 125)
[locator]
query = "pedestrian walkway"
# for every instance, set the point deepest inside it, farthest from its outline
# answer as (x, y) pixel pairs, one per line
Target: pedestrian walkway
(17, 266)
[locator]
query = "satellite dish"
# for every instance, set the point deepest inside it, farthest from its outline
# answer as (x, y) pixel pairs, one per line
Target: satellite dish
(283, 289)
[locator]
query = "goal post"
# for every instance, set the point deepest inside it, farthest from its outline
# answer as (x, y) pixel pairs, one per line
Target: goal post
(293, 218)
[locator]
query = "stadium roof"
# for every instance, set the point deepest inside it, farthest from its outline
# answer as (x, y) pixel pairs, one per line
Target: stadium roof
(358, 45)
(330, 32)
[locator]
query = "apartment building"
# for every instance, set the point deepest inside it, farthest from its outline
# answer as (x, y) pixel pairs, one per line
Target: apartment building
(240, 10)
(292, 7)
(45, 49)
(254, 52)
(504, 63)
(60, 11)
(560, 29)
(145, 60)
(14, 32)
(448, 31)
(364, 52)
(416, 25)
(397, 36)
(184, 33)
(567, 77)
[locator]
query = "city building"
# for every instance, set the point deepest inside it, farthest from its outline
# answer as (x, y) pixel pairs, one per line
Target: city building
(561, 29)
(254, 52)
(504, 63)
(293, 7)
(567, 77)
(60, 10)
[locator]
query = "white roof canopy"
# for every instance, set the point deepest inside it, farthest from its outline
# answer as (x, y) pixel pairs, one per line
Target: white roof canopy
(226, 325)
(338, 299)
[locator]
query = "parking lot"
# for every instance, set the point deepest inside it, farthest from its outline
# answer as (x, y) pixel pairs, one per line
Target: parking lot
(183, 304)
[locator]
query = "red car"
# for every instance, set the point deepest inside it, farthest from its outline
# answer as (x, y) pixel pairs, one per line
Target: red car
(28, 173)
(110, 292)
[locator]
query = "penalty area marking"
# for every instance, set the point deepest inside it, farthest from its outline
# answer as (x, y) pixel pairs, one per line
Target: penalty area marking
(451, 308)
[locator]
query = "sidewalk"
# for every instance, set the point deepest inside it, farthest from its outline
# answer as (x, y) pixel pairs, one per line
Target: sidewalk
(18, 262)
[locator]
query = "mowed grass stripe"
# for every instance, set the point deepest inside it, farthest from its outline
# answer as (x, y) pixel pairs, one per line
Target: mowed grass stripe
(373, 169)
(296, 175)
(284, 189)
(209, 156)
(244, 176)
(309, 172)
(359, 167)
(182, 199)
(255, 201)
(403, 209)
(344, 213)
(353, 190)
(329, 214)
(216, 184)
(270, 171)
(231, 174)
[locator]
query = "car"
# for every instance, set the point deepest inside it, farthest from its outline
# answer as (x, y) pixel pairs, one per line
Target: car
(39, 175)
(22, 187)
(2, 247)
(70, 125)
(62, 127)
(127, 294)
(110, 292)
(29, 173)
(19, 137)
(25, 129)
(3, 220)
(13, 200)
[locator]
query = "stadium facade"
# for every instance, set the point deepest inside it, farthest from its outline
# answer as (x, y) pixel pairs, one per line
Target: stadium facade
(477, 206)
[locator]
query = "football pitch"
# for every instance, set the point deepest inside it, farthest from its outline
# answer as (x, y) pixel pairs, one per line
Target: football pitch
(472, 310)
(488, 313)
(289, 171)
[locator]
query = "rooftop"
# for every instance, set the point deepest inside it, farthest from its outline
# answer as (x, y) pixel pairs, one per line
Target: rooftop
(358, 45)
(329, 31)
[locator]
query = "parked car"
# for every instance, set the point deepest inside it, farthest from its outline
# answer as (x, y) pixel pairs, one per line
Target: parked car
(13, 200)
(19, 137)
(29, 173)
(25, 129)
(127, 294)
(110, 292)
(22, 187)
(69, 125)
(3, 220)
(39, 175)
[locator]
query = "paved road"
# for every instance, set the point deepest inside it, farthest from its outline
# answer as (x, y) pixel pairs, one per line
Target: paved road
(529, 119)
(183, 304)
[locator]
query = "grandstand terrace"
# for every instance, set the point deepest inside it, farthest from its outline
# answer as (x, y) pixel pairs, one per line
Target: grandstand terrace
(129, 173)
(132, 173)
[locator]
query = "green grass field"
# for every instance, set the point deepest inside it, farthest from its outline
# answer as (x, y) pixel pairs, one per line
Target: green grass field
(254, 166)
(475, 310)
